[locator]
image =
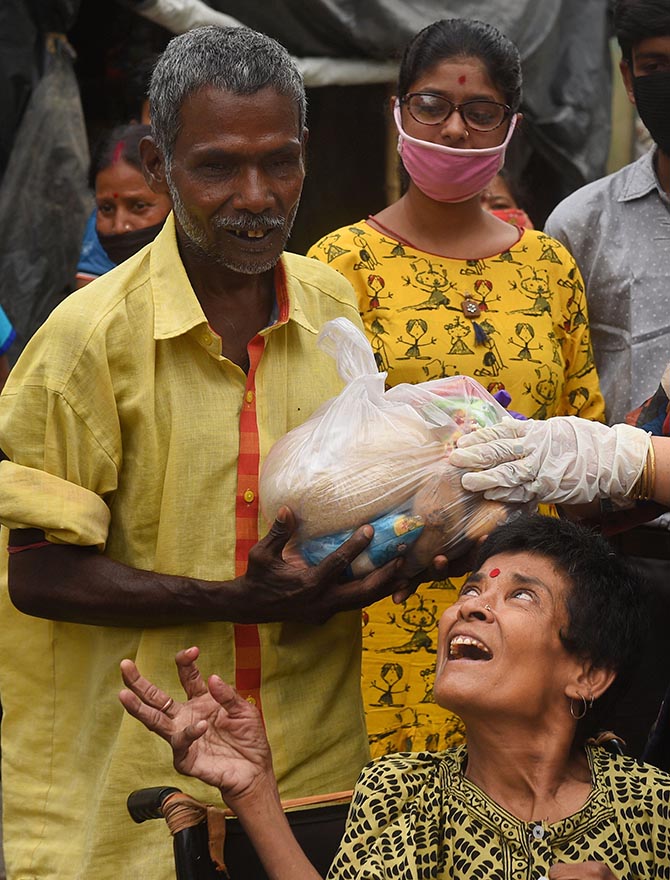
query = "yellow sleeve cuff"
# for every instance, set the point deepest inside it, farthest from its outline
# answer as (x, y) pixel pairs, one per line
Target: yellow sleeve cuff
(66, 513)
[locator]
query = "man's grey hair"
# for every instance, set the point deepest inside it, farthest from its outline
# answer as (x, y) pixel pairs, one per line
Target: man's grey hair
(236, 59)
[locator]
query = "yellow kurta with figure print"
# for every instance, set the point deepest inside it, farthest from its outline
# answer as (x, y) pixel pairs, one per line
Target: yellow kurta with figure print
(516, 321)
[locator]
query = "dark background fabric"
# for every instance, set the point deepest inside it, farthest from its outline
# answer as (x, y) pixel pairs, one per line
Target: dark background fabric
(54, 104)
(23, 24)
(44, 199)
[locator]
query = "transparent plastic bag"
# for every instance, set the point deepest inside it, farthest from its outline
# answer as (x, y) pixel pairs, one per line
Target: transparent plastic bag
(378, 456)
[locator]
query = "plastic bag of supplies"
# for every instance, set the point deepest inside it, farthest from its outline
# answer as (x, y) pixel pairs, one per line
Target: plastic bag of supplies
(378, 456)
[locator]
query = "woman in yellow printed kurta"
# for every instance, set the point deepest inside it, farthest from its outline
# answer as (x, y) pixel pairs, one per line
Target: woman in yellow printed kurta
(446, 289)
(528, 332)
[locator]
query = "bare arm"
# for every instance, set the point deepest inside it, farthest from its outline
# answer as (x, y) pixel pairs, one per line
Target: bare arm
(661, 490)
(580, 871)
(4, 370)
(662, 484)
(78, 584)
(218, 737)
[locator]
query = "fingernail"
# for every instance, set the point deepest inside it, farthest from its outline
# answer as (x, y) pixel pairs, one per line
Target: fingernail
(281, 515)
(368, 531)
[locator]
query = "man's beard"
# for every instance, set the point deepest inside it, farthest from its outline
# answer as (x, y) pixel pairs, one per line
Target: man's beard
(201, 245)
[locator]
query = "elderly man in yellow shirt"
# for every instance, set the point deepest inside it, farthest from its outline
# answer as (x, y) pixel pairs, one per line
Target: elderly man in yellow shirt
(133, 428)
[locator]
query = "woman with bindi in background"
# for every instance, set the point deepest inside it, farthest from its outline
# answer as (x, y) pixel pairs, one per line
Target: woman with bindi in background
(128, 214)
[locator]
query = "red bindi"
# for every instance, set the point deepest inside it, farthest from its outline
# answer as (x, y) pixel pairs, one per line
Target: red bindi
(462, 79)
(116, 195)
(494, 572)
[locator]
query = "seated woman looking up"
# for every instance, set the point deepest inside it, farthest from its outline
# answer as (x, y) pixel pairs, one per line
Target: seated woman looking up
(537, 644)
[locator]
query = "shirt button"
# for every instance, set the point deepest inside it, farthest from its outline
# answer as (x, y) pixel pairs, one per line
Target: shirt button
(249, 496)
(249, 397)
(207, 338)
(538, 832)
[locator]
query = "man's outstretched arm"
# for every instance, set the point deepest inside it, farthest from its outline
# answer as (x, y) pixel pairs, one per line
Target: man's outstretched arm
(80, 585)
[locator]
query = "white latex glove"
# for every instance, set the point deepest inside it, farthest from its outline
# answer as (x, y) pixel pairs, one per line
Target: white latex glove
(563, 460)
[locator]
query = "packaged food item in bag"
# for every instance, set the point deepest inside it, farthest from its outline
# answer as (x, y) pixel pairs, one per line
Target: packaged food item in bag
(393, 533)
(380, 456)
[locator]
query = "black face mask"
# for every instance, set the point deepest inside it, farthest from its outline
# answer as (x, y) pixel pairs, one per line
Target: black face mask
(652, 98)
(123, 245)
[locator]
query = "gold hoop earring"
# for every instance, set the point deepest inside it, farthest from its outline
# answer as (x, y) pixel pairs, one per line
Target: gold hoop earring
(585, 707)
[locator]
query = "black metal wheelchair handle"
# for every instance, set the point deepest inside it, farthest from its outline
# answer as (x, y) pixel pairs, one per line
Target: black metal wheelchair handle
(147, 803)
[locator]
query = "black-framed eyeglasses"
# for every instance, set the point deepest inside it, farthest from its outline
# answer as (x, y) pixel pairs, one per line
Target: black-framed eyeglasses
(430, 109)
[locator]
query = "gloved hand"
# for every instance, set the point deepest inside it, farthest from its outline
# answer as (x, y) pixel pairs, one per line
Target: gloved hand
(563, 460)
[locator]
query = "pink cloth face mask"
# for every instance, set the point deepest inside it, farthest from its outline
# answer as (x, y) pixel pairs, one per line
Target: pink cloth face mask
(448, 174)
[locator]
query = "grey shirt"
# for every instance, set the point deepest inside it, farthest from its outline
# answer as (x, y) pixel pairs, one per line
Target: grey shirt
(618, 230)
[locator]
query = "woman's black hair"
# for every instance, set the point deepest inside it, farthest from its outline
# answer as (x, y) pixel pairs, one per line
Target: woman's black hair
(606, 619)
(636, 20)
(120, 143)
(463, 38)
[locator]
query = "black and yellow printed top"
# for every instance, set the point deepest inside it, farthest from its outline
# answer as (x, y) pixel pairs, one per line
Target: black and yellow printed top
(417, 817)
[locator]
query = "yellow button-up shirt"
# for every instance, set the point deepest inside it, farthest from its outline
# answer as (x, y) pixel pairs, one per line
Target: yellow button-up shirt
(121, 422)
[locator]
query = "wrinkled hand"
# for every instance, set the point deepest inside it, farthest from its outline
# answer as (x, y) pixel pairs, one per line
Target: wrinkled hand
(563, 460)
(284, 587)
(440, 568)
(216, 736)
(581, 871)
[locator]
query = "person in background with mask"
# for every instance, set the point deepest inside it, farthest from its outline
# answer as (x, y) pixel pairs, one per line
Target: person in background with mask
(501, 200)
(446, 288)
(128, 214)
(618, 230)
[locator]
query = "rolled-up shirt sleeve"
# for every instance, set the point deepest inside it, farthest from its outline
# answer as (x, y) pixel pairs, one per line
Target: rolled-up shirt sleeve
(59, 430)
(67, 513)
